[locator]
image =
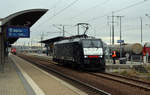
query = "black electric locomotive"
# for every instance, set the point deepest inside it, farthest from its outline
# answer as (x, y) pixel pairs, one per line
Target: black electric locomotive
(84, 53)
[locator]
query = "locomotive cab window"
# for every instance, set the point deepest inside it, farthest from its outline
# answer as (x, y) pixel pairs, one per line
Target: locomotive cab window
(91, 43)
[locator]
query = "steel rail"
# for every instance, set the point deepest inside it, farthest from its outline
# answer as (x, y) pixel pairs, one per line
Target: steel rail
(118, 76)
(94, 89)
(127, 78)
(121, 80)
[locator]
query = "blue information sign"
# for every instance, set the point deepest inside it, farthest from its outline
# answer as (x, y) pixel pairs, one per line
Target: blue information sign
(120, 41)
(18, 32)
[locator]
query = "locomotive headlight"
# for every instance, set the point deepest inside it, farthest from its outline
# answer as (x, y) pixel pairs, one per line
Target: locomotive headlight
(100, 56)
(85, 56)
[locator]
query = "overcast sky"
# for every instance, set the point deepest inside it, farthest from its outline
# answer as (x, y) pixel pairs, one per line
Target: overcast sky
(94, 12)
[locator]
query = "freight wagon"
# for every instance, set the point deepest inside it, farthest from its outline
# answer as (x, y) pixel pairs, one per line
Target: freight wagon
(128, 50)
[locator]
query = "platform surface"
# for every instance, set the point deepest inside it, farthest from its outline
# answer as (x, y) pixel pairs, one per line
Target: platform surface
(43, 81)
(10, 83)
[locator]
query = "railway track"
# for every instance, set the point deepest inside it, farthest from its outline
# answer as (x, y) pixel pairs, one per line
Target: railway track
(125, 80)
(92, 89)
(122, 79)
(119, 78)
(114, 82)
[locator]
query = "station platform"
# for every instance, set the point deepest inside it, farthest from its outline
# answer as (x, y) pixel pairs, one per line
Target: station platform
(128, 65)
(10, 82)
(22, 78)
(122, 66)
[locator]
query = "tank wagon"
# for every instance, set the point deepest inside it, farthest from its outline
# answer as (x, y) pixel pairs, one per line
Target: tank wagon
(82, 53)
(128, 50)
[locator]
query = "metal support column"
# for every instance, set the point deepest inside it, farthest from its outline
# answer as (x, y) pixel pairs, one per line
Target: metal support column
(2, 58)
(78, 29)
(112, 28)
(120, 36)
(141, 29)
(63, 31)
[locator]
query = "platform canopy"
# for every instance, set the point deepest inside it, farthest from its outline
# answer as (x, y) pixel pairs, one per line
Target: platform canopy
(52, 40)
(23, 18)
(59, 38)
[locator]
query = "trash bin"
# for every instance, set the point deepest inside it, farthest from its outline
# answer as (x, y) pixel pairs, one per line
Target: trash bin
(122, 60)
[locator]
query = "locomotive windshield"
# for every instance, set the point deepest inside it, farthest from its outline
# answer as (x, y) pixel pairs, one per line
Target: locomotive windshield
(91, 43)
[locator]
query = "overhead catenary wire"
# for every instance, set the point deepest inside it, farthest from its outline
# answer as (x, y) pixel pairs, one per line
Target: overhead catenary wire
(93, 28)
(62, 10)
(95, 18)
(61, 29)
(58, 1)
(119, 10)
(97, 5)
(53, 6)
(138, 3)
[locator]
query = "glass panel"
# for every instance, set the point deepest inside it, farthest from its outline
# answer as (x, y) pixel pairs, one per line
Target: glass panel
(91, 43)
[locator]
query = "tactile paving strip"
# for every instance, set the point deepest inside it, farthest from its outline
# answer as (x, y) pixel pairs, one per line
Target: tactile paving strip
(10, 83)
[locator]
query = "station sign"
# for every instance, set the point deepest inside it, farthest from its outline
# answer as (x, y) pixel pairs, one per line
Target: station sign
(120, 41)
(18, 32)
